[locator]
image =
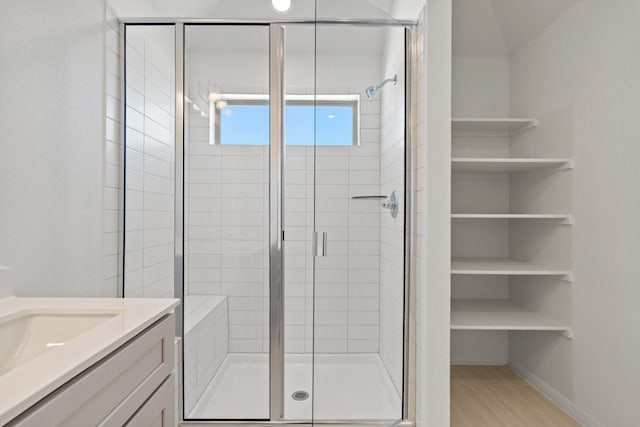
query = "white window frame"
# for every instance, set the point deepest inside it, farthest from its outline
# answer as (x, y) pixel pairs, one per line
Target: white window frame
(344, 99)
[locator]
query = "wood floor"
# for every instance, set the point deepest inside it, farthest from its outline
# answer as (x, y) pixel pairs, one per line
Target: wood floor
(495, 396)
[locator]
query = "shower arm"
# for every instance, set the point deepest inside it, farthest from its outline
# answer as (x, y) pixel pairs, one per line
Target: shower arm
(393, 80)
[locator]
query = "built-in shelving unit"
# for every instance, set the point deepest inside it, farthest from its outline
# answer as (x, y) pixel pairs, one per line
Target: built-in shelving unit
(565, 219)
(505, 165)
(495, 124)
(501, 315)
(476, 200)
(503, 267)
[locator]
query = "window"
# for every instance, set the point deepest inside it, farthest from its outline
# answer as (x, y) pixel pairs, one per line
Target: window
(244, 120)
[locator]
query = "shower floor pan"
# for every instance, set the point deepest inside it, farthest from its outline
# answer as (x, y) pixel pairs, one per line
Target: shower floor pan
(340, 387)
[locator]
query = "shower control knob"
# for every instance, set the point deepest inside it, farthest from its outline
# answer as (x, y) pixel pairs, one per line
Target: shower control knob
(392, 203)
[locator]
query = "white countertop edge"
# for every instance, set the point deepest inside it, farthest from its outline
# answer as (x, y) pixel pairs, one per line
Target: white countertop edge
(27, 384)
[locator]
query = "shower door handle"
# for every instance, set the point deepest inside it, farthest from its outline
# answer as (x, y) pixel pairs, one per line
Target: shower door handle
(319, 243)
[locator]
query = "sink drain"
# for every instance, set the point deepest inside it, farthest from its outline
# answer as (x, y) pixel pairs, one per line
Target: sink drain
(300, 395)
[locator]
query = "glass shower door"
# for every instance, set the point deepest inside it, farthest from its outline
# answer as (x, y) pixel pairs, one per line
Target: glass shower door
(249, 171)
(294, 143)
(359, 213)
(298, 220)
(226, 222)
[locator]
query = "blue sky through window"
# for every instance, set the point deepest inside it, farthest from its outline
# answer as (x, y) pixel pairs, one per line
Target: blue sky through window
(248, 124)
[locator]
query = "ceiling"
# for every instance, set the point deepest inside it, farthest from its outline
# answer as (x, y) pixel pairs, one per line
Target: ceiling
(500, 27)
(252, 9)
(481, 27)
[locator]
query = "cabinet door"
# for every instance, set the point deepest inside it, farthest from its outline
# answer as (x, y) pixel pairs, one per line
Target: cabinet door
(159, 410)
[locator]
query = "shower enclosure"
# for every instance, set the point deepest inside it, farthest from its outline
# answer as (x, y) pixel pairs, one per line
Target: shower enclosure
(267, 177)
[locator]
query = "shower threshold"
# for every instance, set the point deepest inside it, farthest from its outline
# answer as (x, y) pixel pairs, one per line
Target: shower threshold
(339, 387)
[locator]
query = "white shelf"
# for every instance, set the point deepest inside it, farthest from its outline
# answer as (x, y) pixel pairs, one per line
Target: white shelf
(505, 165)
(488, 124)
(500, 315)
(566, 219)
(503, 267)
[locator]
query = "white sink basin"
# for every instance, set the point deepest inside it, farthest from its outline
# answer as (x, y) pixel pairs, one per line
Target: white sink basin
(46, 342)
(28, 334)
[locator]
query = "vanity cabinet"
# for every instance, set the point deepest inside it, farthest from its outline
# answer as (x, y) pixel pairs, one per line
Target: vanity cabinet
(133, 386)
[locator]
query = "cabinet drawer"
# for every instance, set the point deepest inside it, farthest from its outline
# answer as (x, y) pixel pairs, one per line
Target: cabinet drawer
(159, 410)
(111, 391)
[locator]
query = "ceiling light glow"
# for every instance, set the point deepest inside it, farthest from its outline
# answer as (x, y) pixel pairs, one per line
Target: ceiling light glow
(281, 5)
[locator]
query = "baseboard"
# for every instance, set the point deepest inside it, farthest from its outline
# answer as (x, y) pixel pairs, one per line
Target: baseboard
(555, 396)
(474, 360)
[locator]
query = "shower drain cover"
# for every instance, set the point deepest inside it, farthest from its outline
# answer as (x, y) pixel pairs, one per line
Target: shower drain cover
(300, 395)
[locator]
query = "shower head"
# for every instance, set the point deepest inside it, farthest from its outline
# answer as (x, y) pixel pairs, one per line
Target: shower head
(373, 91)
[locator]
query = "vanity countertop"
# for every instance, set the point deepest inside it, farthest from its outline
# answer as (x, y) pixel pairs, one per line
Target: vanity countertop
(27, 383)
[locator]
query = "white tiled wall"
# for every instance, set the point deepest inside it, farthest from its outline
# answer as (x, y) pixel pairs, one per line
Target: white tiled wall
(418, 105)
(227, 228)
(392, 167)
(112, 192)
(226, 223)
(149, 199)
(206, 343)
(346, 291)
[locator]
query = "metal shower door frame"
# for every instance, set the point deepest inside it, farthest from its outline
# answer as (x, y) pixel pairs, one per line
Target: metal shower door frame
(276, 229)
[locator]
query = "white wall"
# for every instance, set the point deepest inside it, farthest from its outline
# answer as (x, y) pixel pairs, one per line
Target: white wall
(52, 132)
(588, 62)
(480, 86)
(433, 219)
